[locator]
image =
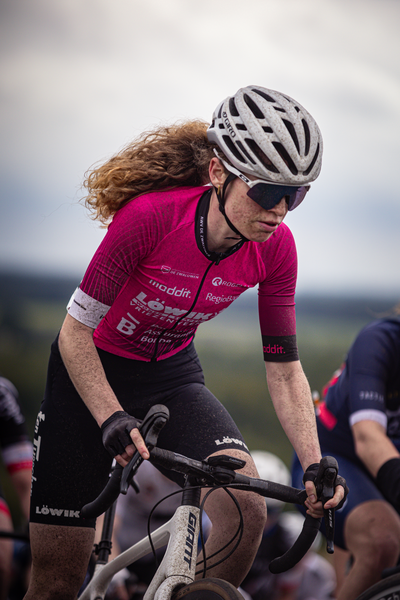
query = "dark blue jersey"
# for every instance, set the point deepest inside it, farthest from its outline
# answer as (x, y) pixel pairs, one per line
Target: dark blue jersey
(368, 388)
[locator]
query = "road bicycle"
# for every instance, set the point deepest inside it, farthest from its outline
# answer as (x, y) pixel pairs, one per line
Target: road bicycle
(386, 589)
(175, 576)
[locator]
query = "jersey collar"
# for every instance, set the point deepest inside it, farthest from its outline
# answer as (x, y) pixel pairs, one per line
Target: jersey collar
(201, 231)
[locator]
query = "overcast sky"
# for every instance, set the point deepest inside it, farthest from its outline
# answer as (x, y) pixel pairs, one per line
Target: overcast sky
(81, 78)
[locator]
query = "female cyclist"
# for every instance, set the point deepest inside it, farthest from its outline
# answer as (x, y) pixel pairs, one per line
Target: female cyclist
(359, 424)
(176, 253)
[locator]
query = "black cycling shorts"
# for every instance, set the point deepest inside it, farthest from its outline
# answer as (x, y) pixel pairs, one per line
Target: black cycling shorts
(71, 465)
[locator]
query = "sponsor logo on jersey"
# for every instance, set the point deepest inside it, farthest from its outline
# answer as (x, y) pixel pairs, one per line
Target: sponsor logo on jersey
(57, 512)
(218, 299)
(228, 440)
(273, 349)
(372, 395)
(219, 281)
(172, 291)
(129, 325)
(178, 272)
(157, 308)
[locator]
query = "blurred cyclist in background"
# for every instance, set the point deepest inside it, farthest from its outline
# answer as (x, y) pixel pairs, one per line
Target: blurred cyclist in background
(16, 452)
(359, 423)
(313, 578)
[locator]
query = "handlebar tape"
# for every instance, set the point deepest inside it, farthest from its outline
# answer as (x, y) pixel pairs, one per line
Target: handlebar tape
(300, 547)
(109, 494)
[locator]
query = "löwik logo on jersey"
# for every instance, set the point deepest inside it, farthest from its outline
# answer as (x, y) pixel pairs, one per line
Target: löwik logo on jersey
(159, 309)
(57, 512)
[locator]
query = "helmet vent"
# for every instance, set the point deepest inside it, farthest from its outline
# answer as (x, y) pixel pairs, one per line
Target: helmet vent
(279, 109)
(255, 148)
(233, 148)
(309, 169)
(232, 108)
(263, 95)
(243, 149)
(291, 130)
(307, 136)
(220, 112)
(253, 107)
(268, 129)
(285, 157)
(241, 126)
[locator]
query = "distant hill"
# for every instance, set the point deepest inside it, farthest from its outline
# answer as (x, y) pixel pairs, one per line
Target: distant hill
(35, 286)
(51, 288)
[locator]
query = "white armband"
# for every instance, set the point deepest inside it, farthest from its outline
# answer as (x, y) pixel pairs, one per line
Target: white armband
(368, 415)
(85, 309)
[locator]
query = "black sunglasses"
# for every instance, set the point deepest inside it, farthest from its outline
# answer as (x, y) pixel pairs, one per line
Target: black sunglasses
(267, 194)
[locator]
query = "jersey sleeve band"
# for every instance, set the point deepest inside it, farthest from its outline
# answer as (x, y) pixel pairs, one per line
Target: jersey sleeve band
(278, 348)
(85, 309)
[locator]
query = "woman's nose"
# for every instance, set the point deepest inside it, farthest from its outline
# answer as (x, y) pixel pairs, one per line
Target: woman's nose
(282, 207)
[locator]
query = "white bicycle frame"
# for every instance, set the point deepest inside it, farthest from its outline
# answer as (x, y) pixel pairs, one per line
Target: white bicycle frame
(177, 567)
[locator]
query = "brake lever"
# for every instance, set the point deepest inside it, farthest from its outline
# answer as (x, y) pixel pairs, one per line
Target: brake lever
(150, 428)
(325, 486)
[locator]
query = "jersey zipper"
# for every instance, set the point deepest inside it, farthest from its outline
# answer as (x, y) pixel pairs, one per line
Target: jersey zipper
(214, 262)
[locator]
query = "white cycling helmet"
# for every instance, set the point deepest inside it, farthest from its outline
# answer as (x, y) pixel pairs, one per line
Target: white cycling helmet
(268, 135)
(270, 467)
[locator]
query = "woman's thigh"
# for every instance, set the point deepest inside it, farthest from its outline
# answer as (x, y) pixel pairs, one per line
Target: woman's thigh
(71, 466)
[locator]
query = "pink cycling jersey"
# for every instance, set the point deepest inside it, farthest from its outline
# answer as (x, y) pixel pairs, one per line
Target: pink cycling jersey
(152, 280)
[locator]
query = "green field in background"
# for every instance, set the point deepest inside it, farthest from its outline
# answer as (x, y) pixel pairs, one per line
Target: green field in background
(32, 310)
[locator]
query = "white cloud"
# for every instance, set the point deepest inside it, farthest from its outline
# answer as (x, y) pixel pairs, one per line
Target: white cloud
(80, 79)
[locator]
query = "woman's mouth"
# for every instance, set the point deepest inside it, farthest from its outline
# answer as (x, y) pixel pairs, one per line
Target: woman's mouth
(269, 226)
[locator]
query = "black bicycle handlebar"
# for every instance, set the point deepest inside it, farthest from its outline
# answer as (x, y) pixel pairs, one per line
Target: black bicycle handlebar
(221, 471)
(121, 477)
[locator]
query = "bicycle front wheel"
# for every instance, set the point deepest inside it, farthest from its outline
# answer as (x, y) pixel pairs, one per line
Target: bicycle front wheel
(387, 589)
(208, 589)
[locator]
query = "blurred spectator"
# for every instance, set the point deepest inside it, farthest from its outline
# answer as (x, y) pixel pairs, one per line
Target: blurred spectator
(16, 451)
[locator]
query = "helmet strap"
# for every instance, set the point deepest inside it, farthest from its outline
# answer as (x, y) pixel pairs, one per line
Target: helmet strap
(221, 205)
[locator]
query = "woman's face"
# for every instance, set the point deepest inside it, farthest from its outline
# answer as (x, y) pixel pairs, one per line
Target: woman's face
(254, 222)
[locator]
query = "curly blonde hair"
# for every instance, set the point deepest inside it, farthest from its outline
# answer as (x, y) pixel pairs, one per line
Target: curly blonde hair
(163, 158)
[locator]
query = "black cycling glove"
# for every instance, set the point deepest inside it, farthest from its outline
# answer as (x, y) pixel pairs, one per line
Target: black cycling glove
(310, 474)
(115, 432)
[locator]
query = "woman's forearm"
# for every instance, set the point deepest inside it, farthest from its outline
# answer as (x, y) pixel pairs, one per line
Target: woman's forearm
(84, 367)
(291, 396)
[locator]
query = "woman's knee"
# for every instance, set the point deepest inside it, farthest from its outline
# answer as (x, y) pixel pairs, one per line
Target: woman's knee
(224, 512)
(256, 513)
